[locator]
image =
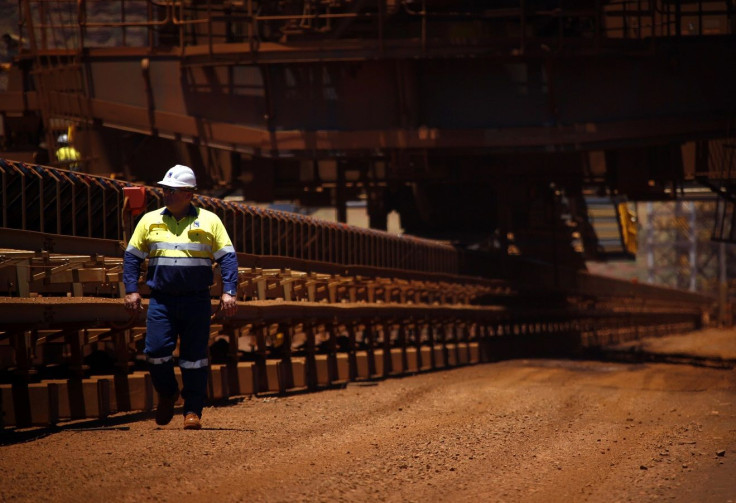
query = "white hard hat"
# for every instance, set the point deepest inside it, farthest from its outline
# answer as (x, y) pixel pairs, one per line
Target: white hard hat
(180, 177)
(62, 139)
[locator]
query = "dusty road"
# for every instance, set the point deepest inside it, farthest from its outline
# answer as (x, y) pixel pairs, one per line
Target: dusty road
(521, 430)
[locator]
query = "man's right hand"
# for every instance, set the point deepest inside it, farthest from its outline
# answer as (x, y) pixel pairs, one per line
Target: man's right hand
(133, 303)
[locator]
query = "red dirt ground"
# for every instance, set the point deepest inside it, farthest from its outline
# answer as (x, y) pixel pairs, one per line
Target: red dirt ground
(520, 430)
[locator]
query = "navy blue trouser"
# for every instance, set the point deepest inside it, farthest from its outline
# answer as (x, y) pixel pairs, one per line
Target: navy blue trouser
(188, 317)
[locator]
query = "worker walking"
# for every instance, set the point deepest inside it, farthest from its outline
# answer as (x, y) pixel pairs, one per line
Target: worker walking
(181, 241)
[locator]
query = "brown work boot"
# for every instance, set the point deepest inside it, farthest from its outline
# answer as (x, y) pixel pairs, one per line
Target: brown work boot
(165, 409)
(191, 422)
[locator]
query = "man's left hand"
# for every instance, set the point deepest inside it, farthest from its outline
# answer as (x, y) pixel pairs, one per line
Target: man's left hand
(228, 304)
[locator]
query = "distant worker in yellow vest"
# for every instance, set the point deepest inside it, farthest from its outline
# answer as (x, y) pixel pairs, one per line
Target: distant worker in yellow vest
(66, 154)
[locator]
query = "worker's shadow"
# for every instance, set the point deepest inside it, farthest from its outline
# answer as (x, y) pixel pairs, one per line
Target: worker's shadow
(205, 428)
(11, 436)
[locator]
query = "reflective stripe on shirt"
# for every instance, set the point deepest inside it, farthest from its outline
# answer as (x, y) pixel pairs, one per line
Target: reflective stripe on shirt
(224, 250)
(135, 251)
(181, 246)
(179, 261)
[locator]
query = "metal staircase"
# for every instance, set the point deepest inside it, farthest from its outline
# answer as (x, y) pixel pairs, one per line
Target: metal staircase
(614, 225)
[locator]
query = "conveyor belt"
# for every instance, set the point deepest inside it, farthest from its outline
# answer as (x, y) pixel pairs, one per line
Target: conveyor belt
(318, 303)
(377, 340)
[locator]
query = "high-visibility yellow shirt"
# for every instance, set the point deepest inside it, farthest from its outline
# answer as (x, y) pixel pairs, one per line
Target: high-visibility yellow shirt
(180, 253)
(68, 154)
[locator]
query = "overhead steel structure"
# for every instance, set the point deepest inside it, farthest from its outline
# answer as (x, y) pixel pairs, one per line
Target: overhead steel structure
(477, 123)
